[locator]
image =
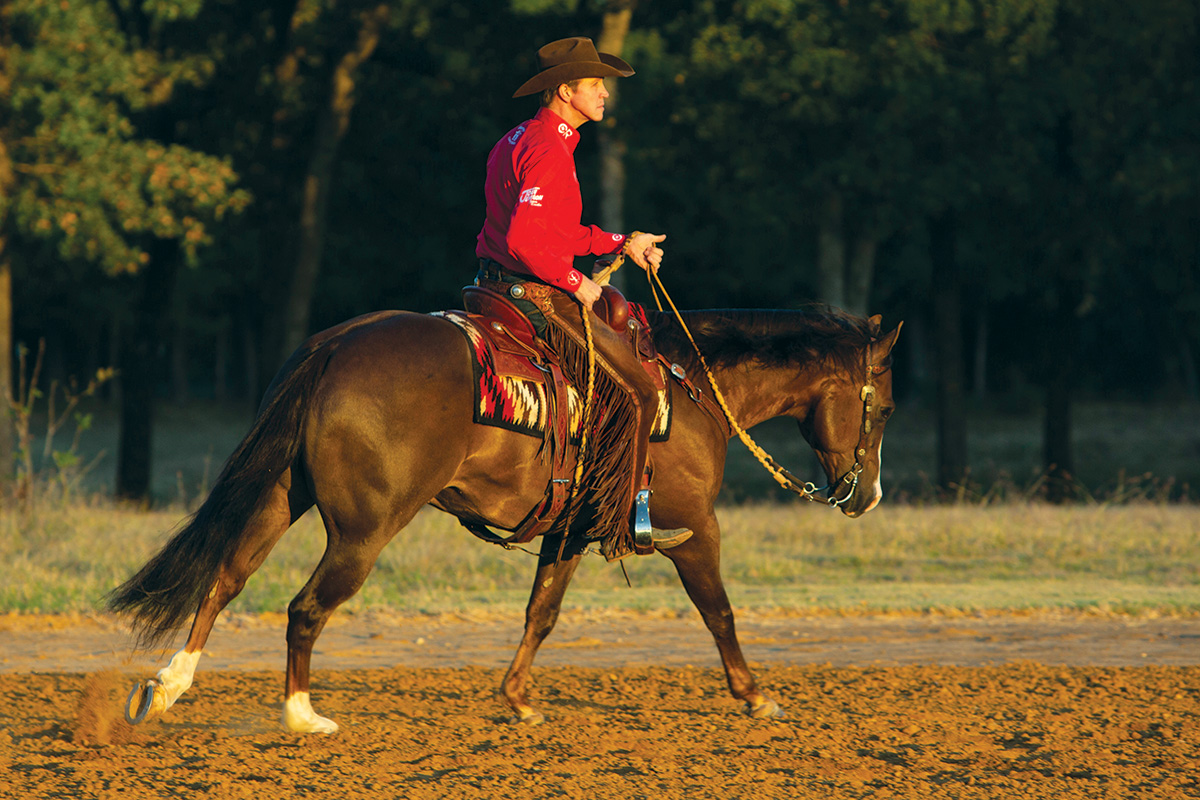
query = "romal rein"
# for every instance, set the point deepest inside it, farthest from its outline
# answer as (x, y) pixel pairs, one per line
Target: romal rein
(806, 489)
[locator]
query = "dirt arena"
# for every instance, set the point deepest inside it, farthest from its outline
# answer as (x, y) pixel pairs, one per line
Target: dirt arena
(876, 707)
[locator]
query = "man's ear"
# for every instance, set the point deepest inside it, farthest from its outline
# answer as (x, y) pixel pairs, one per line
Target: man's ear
(564, 92)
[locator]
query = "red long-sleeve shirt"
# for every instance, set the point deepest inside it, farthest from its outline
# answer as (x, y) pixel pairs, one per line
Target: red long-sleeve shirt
(534, 206)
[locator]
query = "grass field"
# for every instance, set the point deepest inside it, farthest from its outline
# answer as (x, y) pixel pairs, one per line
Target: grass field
(1125, 550)
(1131, 559)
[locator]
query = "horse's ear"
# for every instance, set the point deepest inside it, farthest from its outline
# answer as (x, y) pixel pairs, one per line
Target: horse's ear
(882, 348)
(876, 321)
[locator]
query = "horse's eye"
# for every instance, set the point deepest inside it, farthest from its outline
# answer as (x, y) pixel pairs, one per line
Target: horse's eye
(885, 413)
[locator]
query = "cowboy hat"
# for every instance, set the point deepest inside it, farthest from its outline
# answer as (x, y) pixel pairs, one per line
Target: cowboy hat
(567, 60)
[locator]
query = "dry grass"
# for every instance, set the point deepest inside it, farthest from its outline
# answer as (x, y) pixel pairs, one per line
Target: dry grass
(996, 549)
(1141, 558)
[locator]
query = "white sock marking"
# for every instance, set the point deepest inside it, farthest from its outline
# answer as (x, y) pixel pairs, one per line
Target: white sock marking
(299, 716)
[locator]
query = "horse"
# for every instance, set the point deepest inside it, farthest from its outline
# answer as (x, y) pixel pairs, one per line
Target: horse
(372, 419)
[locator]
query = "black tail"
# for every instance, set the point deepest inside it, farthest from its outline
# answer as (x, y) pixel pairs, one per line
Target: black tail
(170, 586)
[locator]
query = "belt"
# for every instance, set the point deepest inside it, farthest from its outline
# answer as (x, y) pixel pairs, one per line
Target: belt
(532, 287)
(493, 270)
(531, 297)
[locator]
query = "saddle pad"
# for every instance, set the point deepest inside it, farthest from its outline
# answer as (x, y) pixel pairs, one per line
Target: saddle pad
(519, 404)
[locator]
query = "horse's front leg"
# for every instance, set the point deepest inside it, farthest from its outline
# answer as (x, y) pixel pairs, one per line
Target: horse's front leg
(549, 586)
(698, 562)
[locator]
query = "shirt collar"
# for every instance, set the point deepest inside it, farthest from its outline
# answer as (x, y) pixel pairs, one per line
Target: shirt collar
(568, 135)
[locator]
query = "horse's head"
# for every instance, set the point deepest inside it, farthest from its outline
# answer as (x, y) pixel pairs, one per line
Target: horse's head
(845, 425)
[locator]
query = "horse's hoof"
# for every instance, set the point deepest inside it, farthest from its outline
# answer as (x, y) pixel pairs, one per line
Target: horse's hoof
(528, 717)
(314, 724)
(299, 717)
(767, 709)
(140, 700)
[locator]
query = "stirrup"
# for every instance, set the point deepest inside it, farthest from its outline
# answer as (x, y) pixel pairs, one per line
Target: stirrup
(643, 532)
(665, 540)
(662, 539)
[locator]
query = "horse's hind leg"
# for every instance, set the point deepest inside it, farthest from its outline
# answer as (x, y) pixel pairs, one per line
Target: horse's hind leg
(549, 586)
(349, 555)
(698, 563)
(281, 508)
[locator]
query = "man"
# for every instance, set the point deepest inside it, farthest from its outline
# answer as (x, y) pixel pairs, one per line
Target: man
(530, 238)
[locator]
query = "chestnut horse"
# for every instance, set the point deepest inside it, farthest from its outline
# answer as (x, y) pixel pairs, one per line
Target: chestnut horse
(372, 419)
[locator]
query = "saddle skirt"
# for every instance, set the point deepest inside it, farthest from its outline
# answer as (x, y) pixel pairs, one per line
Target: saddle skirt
(514, 385)
(519, 386)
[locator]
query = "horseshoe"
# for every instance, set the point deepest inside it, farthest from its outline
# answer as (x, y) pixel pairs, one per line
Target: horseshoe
(146, 693)
(767, 709)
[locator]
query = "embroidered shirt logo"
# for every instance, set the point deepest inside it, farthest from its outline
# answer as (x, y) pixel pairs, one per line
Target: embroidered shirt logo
(573, 278)
(533, 196)
(565, 130)
(516, 134)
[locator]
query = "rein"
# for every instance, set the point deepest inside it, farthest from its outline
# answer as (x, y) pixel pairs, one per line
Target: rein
(806, 489)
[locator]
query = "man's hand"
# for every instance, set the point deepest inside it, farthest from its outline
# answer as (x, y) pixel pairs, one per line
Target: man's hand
(644, 250)
(588, 292)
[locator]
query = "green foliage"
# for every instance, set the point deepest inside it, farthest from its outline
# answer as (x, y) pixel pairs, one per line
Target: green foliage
(88, 179)
(1061, 133)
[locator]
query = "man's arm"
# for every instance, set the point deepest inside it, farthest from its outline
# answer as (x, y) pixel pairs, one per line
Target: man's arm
(536, 230)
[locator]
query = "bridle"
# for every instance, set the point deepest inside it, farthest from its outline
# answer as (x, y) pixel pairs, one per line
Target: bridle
(867, 395)
(806, 489)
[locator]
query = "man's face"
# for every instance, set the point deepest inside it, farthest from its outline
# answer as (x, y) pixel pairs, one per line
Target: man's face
(588, 98)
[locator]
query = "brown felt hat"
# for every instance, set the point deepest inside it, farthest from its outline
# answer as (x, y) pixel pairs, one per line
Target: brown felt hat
(571, 59)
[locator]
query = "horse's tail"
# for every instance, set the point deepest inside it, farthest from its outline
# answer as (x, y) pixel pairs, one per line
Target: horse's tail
(171, 585)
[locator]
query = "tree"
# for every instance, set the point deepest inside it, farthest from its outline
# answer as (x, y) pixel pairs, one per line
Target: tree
(332, 122)
(614, 29)
(96, 175)
(7, 431)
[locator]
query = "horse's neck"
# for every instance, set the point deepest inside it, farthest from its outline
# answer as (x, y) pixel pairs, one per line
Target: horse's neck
(755, 393)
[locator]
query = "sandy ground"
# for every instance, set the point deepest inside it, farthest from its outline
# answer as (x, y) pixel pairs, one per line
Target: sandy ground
(905, 706)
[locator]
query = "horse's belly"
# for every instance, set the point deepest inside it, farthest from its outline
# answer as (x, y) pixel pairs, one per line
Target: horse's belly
(500, 482)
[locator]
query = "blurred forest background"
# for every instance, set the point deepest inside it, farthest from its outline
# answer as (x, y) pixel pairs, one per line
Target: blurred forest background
(188, 188)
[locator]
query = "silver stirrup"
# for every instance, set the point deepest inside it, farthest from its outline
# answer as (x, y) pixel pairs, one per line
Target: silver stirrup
(643, 533)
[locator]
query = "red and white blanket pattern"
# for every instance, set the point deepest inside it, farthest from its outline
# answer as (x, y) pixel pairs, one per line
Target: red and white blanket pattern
(519, 404)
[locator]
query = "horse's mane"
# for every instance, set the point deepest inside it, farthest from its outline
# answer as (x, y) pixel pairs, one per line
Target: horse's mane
(728, 337)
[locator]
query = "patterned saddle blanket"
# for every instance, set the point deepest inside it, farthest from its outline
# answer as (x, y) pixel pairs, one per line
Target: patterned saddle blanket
(511, 392)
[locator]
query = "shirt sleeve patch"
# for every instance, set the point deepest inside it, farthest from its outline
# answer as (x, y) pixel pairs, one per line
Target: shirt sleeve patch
(532, 195)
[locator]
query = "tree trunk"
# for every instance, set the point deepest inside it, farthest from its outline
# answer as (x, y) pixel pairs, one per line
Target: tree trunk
(860, 273)
(180, 388)
(7, 428)
(948, 341)
(1061, 352)
(1187, 367)
(979, 384)
(251, 363)
(140, 369)
(7, 432)
(831, 250)
(331, 128)
(272, 174)
(614, 29)
(221, 363)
